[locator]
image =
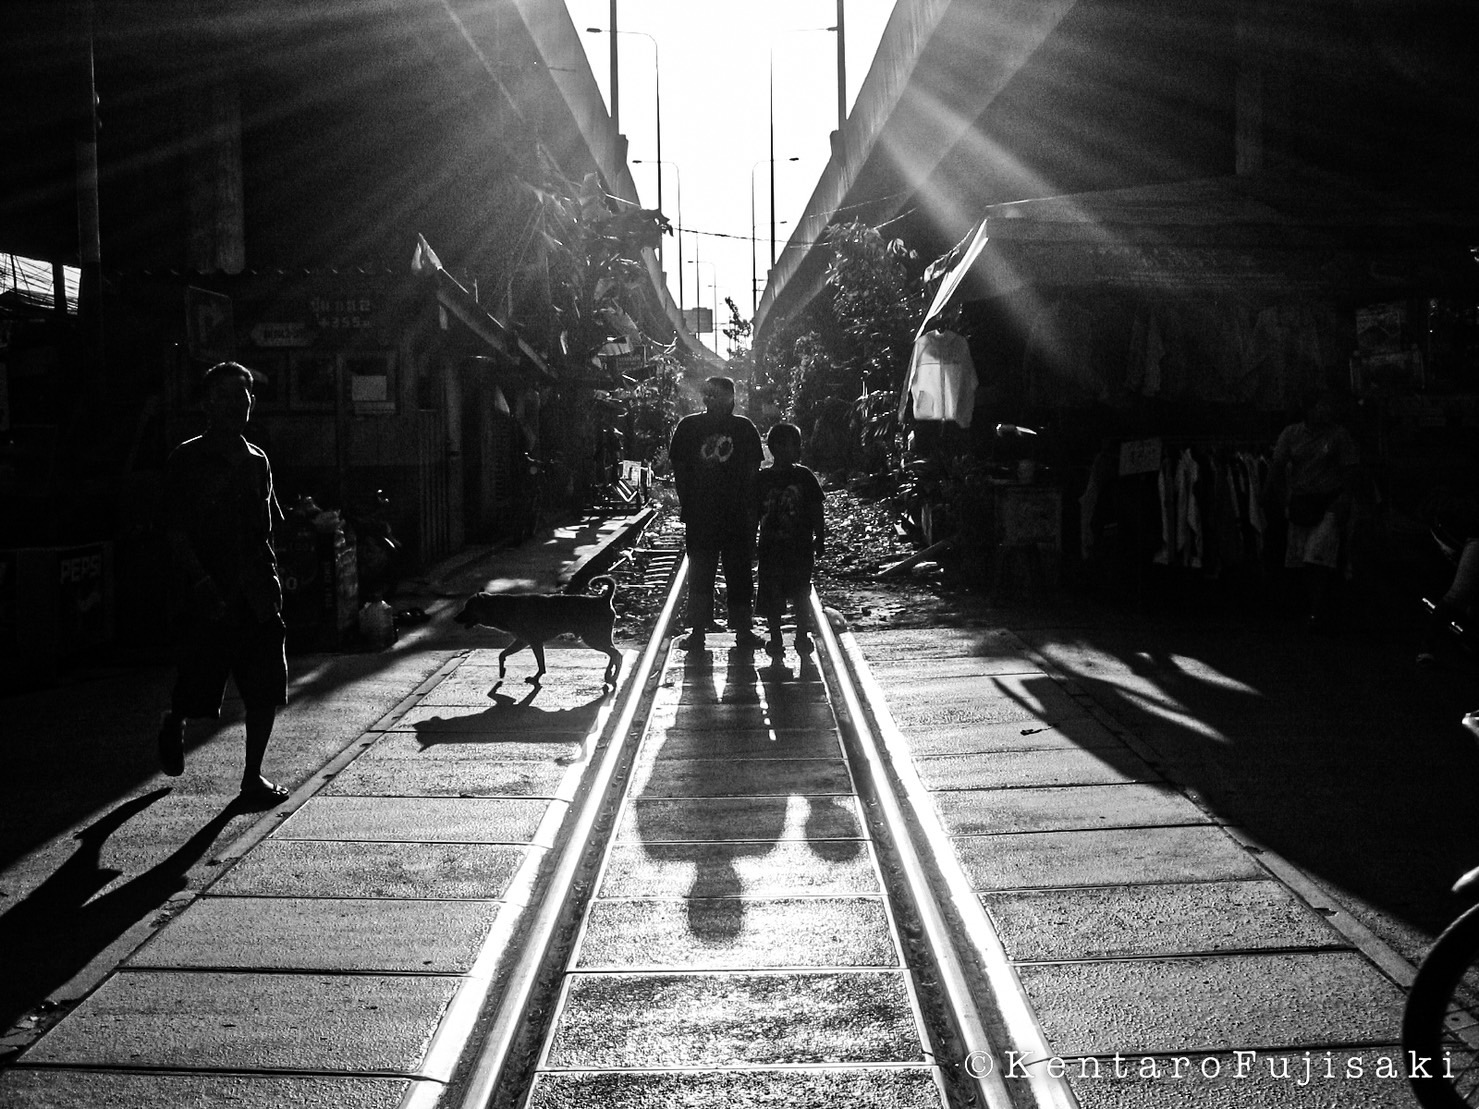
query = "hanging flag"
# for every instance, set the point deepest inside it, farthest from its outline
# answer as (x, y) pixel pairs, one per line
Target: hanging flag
(424, 260)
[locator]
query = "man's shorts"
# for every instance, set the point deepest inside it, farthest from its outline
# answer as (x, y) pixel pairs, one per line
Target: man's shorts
(250, 651)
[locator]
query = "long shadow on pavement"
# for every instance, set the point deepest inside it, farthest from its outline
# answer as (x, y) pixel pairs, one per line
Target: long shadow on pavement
(510, 720)
(1333, 751)
(725, 799)
(108, 723)
(55, 931)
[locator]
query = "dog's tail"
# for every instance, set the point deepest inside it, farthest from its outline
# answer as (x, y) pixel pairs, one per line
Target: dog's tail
(606, 584)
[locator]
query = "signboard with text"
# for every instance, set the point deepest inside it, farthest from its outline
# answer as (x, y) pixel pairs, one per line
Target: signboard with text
(343, 313)
(289, 333)
(1140, 456)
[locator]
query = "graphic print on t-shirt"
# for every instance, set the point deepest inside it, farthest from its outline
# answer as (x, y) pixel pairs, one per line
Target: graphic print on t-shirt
(716, 449)
(783, 516)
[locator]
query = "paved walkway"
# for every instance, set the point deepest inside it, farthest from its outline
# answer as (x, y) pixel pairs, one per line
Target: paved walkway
(96, 860)
(1194, 838)
(344, 957)
(1146, 932)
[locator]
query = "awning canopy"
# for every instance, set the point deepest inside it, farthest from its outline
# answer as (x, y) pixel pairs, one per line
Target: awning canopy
(459, 302)
(1245, 235)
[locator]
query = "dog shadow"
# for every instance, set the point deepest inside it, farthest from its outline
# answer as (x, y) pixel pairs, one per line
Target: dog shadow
(505, 703)
(516, 720)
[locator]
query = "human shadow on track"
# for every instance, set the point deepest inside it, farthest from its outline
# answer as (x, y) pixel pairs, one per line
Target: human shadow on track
(727, 788)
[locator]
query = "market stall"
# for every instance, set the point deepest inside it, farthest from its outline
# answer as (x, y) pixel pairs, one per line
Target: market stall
(1192, 321)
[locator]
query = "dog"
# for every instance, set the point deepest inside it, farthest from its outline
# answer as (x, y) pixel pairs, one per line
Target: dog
(534, 618)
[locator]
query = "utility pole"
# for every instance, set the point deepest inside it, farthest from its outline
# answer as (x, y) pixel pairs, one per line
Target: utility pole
(772, 160)
(657, 90)
(615, 86)
(754, 275)
(841, 69)
(85, 152)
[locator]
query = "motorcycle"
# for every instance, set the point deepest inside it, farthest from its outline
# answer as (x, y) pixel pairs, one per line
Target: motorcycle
(1440, 1022)
(380, 556)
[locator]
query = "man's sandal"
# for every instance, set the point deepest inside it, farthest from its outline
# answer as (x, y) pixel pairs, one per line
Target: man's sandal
(263, 793)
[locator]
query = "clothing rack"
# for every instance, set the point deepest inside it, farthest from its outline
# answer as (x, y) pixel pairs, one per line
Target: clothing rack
(1178, 443)
(1194, 511)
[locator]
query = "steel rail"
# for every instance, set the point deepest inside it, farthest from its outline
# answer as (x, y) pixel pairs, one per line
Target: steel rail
(513, 1006)
(953, 976)
(1021, 1025)
(508, 1020)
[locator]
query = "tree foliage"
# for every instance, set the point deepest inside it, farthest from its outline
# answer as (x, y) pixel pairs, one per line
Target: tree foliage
(579, 267)
(651, 405)
(577, 280)
(836, 370)
(876, 299)
(737, 330)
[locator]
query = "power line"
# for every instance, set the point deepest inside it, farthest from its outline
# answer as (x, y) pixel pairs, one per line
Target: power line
(830, 216)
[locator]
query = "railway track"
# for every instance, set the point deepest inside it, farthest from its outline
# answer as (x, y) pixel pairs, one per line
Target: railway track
(734, 883)
(765, 906)
(743, 911)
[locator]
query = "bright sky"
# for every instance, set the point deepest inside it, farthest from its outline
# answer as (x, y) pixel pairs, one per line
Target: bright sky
(716, 122)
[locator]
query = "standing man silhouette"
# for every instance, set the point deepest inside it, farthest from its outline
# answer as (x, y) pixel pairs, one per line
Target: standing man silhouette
(221, 509)
(715, 457)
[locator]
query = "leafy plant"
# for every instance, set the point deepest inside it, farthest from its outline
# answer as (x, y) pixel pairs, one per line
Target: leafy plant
(837, 370)
(875, 421)
(876, 299)
(737, 330)
(580, 268)
(651, 405)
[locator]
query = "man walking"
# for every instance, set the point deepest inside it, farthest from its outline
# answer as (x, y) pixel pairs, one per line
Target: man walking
(715, 457)
(220, 509)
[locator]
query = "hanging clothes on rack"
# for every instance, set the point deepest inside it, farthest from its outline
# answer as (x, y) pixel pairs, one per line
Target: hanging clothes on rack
(1093, 503)
(1252, 474)
(1166, 490)
(1188, 512)
(1210, 516)
(942, 380)
(1223, 550)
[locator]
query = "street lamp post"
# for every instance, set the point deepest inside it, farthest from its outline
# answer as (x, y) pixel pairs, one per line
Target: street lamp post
(841, 105)
(714, 297)
(678, 176)
(657, 88)
(842, 102)
(841, 65)
(615, 94)
(754, 272)
(697, 299)
(771, 82)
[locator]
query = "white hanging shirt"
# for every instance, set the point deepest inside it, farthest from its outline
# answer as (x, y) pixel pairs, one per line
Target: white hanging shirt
(942, 379)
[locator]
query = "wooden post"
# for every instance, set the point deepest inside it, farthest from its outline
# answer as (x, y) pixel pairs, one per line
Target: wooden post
(89, 238)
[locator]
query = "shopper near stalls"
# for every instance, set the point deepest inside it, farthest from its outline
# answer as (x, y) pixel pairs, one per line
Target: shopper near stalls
(715, 456)
(793, 533)
(221, 509)
(1313, 475)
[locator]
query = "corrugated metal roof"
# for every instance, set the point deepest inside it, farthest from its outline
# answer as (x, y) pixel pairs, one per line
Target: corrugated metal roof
(30, 283)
